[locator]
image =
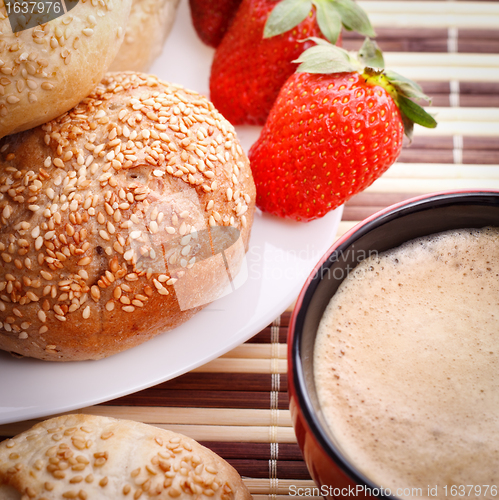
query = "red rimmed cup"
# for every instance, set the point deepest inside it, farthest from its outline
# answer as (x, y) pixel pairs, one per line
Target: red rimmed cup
(334, 474)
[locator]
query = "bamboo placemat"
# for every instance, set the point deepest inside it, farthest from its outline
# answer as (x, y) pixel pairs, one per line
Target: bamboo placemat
(237, 405)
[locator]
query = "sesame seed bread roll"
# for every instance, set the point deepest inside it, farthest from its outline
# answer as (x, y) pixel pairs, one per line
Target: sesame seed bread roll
(148, 28)
(87, 457)
(119, 220)
(48, 69)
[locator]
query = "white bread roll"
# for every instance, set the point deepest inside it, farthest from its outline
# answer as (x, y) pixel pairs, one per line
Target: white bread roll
(113, 217)
(86, 457)
(148, 27)
(46, 70)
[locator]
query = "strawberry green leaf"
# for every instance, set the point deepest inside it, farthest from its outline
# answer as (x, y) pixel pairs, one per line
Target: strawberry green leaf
(354, 18)
(370, 54)
(408, 127)
(325, 59)
(398, 78)
(319, 41)
(415, 113)
(285, 16)
(406, 86)
(328, 19)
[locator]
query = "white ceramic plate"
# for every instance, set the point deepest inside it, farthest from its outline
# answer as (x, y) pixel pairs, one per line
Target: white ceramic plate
(281, 256)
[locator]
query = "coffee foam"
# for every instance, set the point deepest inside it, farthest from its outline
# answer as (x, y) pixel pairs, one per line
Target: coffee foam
(406, 363)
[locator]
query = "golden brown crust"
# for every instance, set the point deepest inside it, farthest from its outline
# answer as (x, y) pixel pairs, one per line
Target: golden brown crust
(47, 70)
(102, 212)
(100, 458)
(148, 27)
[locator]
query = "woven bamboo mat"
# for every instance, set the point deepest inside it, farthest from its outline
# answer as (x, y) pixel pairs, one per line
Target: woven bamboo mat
(237, 405)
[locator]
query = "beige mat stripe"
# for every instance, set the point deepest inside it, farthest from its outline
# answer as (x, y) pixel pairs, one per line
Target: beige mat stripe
(444, 60)
(230, 365)
(219, 433)
(256, 351)
(233, 433)
(286, 486)
(190, 416)
(470, 122)
(388, 185)
(457, 114)
(412, 14)
(410, 7)
(430, 171)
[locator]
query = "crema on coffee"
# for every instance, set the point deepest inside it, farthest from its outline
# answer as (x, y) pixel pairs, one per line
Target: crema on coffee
(406, 366)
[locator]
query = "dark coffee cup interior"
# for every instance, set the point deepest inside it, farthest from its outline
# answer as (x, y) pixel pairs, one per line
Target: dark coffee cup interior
(392, 228)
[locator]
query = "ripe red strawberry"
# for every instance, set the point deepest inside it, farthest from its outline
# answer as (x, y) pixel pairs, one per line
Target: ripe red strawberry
(211, 18)
(329, 136)
(256, 55)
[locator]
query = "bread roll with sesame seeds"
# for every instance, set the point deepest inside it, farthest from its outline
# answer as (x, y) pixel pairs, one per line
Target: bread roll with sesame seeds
(48, 69)
(119, 220)
(100, 458)
(148, 28)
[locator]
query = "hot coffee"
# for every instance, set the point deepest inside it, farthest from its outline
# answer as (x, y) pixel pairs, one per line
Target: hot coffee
(406, 366)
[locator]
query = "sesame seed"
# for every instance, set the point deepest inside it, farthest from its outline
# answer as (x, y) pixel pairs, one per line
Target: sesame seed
(95, 293)
(153, 227)
(7, 211)
(242, 210)
(46, 275)
(86, 312)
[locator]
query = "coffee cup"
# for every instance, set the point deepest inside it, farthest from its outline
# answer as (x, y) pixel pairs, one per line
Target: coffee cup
(336, 473)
